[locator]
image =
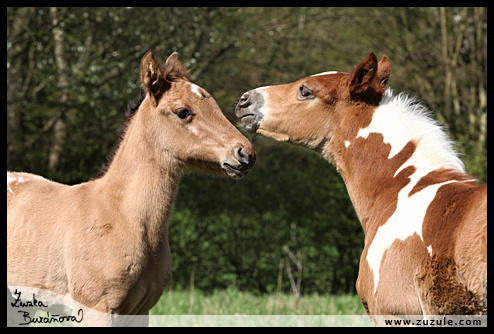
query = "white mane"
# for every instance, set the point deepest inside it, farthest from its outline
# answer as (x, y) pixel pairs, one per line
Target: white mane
(402, 118)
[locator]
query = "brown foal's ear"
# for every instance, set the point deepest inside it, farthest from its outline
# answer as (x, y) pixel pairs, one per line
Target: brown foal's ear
(152, 79)
(173, 69)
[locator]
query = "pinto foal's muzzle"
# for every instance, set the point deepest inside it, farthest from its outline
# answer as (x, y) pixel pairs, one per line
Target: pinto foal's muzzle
(248, 110)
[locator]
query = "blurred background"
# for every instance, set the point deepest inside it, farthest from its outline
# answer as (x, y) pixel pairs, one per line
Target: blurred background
(289, 226)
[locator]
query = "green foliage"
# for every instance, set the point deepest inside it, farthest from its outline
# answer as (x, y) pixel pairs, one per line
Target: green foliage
(227, 233)
(233, 234)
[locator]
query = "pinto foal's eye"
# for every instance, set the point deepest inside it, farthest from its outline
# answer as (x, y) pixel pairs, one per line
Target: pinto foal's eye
(305, 92)
(183, 113)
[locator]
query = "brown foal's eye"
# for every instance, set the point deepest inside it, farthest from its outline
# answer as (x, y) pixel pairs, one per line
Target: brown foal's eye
(304, 91)
(183, 113)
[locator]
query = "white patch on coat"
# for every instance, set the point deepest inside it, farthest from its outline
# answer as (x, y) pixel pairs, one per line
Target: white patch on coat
(9, 180)
(429, 249)
(406, 221)
(17, 179)
(401, 119)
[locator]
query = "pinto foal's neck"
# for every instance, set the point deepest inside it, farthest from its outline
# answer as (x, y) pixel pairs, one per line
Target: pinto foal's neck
(399, 153)
(141, 183)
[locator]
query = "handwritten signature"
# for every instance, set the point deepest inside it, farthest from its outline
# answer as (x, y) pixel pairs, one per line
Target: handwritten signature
(41, 319)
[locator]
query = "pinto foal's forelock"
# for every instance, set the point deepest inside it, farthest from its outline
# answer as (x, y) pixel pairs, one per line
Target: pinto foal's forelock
(102, 246)
(424, 218)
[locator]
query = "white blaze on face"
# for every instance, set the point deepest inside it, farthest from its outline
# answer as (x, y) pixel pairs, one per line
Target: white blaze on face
(195, 89)
(264, 110)
(324, 73)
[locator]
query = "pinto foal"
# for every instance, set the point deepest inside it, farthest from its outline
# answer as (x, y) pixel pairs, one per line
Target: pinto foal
(104, 243)
(424, 218)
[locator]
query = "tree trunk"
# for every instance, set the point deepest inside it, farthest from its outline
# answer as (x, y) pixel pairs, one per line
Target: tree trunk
(59, 128)
(18, 85)
(447, 66)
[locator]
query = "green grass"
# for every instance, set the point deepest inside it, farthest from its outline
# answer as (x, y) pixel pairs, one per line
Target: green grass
(232, 302)
(231, 307)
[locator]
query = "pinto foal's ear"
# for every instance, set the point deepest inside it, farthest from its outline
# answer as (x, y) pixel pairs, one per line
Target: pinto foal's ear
(383, 71)
(362, 76)
(152, 78)
(365, 81)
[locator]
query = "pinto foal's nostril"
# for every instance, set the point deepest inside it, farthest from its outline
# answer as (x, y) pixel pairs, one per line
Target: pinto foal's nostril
(244, 101)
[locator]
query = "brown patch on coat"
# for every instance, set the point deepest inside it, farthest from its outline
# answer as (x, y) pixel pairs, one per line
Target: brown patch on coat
(441, 291)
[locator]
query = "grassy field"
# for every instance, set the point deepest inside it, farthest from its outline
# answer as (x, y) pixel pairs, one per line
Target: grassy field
(234, 308)
(231, 301)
